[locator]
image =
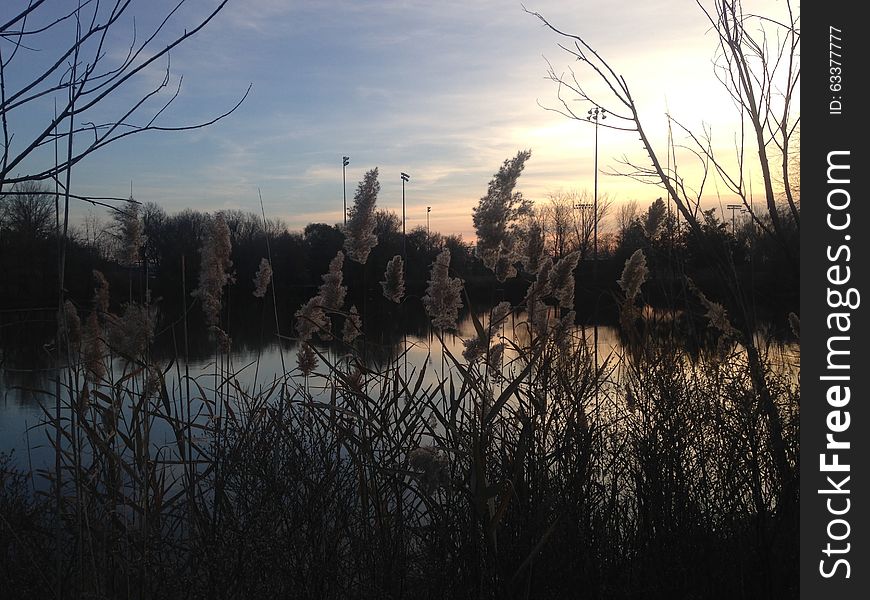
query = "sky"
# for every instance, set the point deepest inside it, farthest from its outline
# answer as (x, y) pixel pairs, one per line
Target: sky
(444, 91)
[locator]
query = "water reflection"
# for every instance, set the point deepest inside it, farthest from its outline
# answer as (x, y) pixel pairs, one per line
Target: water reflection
(395, 336)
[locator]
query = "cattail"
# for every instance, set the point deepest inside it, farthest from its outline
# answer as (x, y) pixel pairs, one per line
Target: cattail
(561, 280)
(360, 235)
(71, 325)
(442, 300)
(394, 279)
(353, 327)
(214, 265)
(634, 273)
(533, 249)
(432, 466)
(331, 291)
(129, 229)
(101, 294)
(262, 278)
(306, 359)
(496, 216)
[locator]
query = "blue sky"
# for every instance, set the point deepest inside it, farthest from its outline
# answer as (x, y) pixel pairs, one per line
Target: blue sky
(444, 91)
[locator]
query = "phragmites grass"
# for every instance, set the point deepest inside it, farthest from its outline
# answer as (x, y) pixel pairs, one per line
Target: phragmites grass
(130, 333)
(394, 280)
(540, 288)
(496, 218)
(533, 249)
(331, 291)
(224, 341)
(214, 268)
(717, 316)
(101, 294)
(306, 359)
(71, 325)
(442, 300)
(262, 278)
(476, 347)
(311, 319)
(129, 232)
(432, 466)
(499, 313)
(353, 327)
(359, 234)
(634, 273)
(93, 349)
(561, 280)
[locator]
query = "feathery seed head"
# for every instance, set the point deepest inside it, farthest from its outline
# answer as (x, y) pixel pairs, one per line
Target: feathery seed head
(311, 319)
(359, 234)
(214, 265)
(262, 278)
(561, 280)
(71, 325)
(394, 279)
(353, 326)
(442, 300)
(306, 359)
(101, 294)
(634, 273)
(331, 291)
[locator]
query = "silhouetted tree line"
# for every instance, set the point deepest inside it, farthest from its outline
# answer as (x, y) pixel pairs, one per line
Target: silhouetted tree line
(169, 261)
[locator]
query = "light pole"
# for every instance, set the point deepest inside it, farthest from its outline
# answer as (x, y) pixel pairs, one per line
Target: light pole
(582, 207)
(428, 210)
(345, 160)
(733, 208)
(405, 177)
(594, 115)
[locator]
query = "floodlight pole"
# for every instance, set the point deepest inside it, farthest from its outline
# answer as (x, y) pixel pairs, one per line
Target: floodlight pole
(345, 160)
(733, 208)
(405, 177)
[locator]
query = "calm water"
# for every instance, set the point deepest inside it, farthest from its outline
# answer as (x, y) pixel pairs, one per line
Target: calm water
(27, 378)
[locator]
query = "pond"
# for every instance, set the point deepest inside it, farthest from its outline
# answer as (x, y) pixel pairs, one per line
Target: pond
(27, 376)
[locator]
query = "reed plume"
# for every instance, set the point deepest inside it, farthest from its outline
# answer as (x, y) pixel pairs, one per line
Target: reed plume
(359, 234)
(262, 278)
(214, 268)
(442, 300)
(394, 280)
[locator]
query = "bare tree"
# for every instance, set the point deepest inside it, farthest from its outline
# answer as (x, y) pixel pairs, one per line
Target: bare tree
(569, 221)
(758, 64)
(27, 210)
(84, 78)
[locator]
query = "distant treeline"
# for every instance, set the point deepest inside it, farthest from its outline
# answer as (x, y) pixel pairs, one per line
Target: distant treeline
(169, 255)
